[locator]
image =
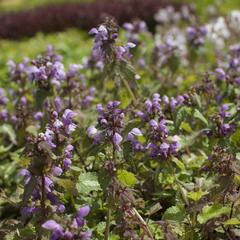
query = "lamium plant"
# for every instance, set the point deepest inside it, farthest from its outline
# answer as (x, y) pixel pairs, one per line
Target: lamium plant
(138, 140)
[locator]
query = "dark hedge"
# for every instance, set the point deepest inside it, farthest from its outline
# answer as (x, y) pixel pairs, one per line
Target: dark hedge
(54, 18)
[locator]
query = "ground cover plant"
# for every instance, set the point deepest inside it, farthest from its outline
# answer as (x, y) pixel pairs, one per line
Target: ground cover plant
(138, 140)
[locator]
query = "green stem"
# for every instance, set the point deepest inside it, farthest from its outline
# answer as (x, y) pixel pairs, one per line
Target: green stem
(108, 222)
(109, 211)
(130, 91)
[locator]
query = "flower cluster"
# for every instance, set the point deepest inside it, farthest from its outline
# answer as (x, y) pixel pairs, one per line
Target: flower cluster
(161, 144)
(48, 69)
(225, 129)
(134, 30)
(157, 105)
(104, 48)
(39, 177)
(196, 36)
(110, 120)
(74, 230)
(152, 108)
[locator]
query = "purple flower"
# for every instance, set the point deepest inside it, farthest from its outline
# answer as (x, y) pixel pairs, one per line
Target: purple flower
(3, 98)
(153, 123)
(173, 104)
(128, 26)
(86, 235)
(223, 111)
(52, 225)
(57, 230)
(48, 184)
(68, 235)
(67, 119)
(237, 81)
(117, 139)
(57, 171)
(48, 137)
(133, 138)
(68, 151)
(134, 29)
(142, 62)
(123, 52)
(175, 145)
(101, 36)
(133, 133)
(152, 107)
(27, 211)
(220, 74)
(58, 104)
(93, 31)
(67, 163)
(180, 100)
(79, 220)
(91, 132)
(57, 124)
(196, 36)
(38, 116)
(226, 129)
(4, 114)
(61, 208)
(26, 174)
(83, 211)
(164, 148)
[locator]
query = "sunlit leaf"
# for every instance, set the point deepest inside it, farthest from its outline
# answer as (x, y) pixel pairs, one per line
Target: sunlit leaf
(213, 211)
(126, 178)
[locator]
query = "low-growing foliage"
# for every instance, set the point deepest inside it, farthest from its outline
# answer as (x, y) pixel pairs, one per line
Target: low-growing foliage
(139, 140)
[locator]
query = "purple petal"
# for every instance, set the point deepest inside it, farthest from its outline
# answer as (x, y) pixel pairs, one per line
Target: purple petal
(52, 225)
(57, 171)
(93, 31)
(84, 211)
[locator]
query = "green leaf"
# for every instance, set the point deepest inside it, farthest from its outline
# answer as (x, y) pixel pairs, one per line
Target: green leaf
(198, 99)
(100, 228)
(235, 138)
(174, 213)
(114, 237)
(199, 116)
(213, 211)
(196, 196)
(186, 127)
(126, 178)
(181, 114)
(8, 129)
(232, 221)
(5, 149)
(188, 140)
(88, 182)
(32, 130)
(67, 184)
(179, 163)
